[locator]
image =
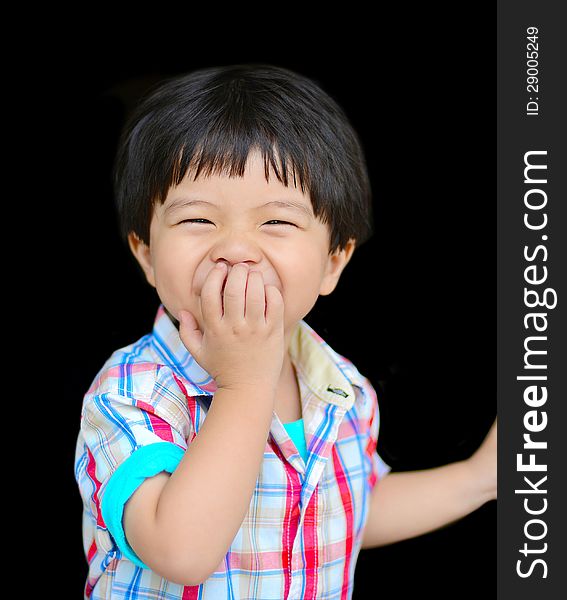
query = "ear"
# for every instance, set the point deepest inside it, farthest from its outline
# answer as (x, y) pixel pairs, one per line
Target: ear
(336, 262)
(143, 255)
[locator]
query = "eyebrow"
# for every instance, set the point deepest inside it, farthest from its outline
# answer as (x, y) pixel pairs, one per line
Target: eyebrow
(290, 204)
(184, 202)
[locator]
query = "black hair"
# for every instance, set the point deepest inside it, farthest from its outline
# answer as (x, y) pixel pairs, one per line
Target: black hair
(210, 119)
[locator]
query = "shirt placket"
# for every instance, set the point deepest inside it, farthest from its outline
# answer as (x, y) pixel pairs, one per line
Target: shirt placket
(322, 420)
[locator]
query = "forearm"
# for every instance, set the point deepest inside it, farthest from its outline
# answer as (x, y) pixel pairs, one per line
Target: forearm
(409, 504)
(202, 505)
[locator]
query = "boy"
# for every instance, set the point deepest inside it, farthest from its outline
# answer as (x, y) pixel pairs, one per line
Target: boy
(232, 453)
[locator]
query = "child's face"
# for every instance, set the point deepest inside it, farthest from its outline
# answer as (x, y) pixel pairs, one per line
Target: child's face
(218, 218)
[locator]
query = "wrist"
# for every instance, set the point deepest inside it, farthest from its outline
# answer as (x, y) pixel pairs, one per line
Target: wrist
(264, 391)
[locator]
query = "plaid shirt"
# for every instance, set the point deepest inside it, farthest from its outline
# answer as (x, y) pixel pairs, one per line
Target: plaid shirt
(303, 532)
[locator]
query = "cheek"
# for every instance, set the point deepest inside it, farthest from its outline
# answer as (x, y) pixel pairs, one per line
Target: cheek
(301, 281)
(173, 273)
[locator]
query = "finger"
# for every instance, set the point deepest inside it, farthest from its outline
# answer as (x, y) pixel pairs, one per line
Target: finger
(211, 293)
(189, 332)
(255, 297)
(234, 292)
(274, 304)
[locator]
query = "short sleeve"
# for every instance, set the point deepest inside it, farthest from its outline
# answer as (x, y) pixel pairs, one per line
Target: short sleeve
(379, 467)
(145, 462)
(127, 438)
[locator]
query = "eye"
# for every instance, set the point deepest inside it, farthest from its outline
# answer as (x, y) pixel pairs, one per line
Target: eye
(205, 221)
(277, 222)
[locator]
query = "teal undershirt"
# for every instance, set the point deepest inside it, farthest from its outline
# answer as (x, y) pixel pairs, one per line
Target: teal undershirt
(296, 432)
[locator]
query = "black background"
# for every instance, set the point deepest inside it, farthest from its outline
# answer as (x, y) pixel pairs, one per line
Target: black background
(414, 309)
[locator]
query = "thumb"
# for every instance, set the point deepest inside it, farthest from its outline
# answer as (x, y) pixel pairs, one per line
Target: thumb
(189, 332)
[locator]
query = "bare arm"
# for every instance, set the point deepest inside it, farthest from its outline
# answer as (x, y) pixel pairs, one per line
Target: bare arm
(405, 505)
(182, 525)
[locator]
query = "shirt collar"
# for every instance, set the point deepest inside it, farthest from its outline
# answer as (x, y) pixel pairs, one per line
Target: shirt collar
(329, 374)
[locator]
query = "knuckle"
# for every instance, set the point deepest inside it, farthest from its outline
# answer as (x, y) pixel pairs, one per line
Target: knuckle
(238, 328)
(231, 294)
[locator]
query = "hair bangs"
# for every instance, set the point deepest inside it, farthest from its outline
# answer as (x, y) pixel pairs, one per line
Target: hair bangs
(217, 154)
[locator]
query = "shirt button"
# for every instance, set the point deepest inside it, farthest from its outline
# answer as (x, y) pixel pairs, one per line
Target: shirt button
(103, 540)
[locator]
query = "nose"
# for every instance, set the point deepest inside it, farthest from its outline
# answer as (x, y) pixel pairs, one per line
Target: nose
(236, 248)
